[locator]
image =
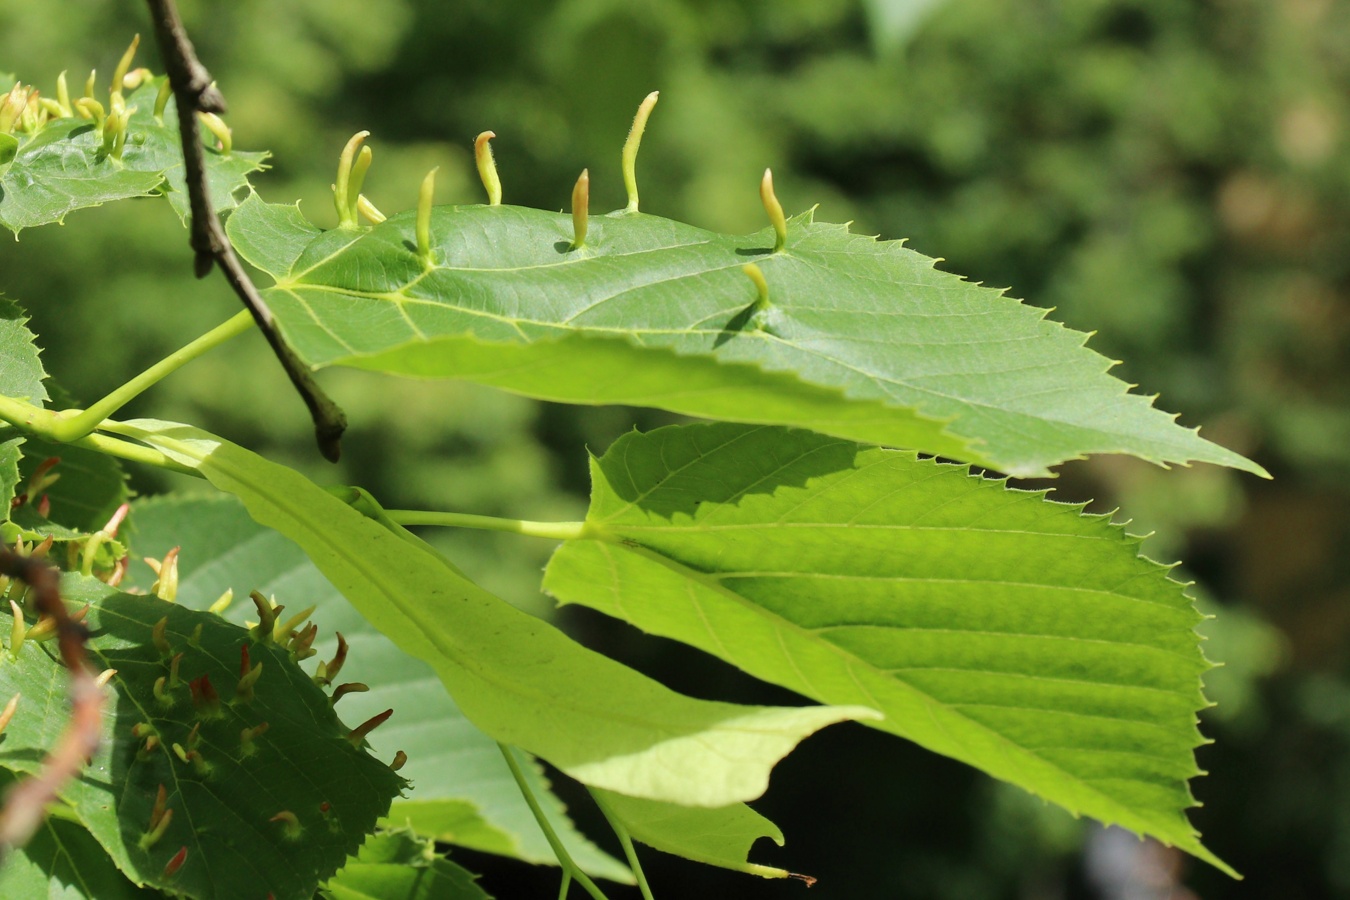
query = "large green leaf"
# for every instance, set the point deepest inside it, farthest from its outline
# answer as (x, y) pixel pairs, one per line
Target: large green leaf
(861, 339)
(992, 625)
(514, 676)
(227, 800)
(399, 866)
(464, 792)
(62, 167)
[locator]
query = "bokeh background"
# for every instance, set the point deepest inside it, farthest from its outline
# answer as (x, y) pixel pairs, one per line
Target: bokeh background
(1172, 173)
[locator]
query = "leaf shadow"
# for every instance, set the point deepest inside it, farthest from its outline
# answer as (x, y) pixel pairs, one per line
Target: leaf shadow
(678, 469)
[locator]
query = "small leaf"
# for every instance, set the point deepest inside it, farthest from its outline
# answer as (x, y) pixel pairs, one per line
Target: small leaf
(224, 796)
(718, 837)
(62, 167)
(991, 625)
(463, 791)
(859, 338)
(516, 677)
(399, 866)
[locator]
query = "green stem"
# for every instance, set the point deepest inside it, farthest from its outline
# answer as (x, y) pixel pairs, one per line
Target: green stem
(570, 868)
(132, 452)
(71, 426)
(554, 531)
(66, 429)
(626, 840)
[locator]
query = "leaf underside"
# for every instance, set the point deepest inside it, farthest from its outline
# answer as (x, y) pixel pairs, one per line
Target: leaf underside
(463, 792)
(62, 168)
(517, 678)
(991, 625)
(861, 339)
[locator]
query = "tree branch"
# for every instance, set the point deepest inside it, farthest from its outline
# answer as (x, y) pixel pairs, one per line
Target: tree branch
(26, 804)
(195, 92)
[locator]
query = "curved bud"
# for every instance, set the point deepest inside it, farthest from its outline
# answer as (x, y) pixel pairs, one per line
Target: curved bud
(351, 687)
(424, 199)
(18, 632)
(166, 584)
(172, 866)
(161, 825)
(8, 713)
(103, 678)
(160, 639)
(761, 286)
(774, 209)
(174, 680)
(63, 96)
(358, 734)
(342, 196)
(329, 670)
(162, 99)
(282, 631)
(267, 617)
(399, 759)
(367, 209)
(248, 737)
(204, 697)
(89, 84)
(358, 178)
(124, 66)
(89, 108)
(581, 204)
(222, 602)
(290, 825)
(487, 167)
(161, 692)
(216, 125)
(630, 148)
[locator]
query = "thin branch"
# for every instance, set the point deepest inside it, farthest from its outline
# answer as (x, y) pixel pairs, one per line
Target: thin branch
(195, 92)
(27, 801)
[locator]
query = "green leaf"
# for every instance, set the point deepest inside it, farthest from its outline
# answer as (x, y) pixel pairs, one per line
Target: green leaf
(9, 148)
(991, 625)
(463, 791)
(516, 677)
(63, 862)
(718, 837)
(62, 167)
(21, 377)
(860, 338)
(399, 866)
(21, 372)
(224, 803)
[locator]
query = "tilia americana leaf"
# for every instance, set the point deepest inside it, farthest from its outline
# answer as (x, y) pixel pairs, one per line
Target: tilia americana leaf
(803, 324)
(224, 771)
(991, 625)
(60, 152)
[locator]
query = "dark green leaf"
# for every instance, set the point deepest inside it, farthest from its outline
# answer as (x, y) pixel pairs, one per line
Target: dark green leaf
(860, 338)
(225, 806)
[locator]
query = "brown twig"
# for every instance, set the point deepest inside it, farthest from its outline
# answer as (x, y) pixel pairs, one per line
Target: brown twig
(27, 801)
(194, 92)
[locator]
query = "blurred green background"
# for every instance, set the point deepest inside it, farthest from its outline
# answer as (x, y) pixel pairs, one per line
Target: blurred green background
(1174, 173)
